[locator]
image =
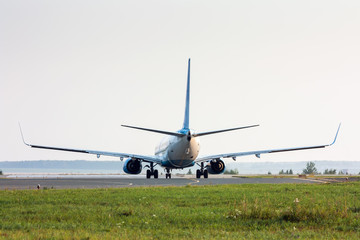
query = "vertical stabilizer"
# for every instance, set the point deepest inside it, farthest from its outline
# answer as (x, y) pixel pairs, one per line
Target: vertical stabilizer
(187, 101)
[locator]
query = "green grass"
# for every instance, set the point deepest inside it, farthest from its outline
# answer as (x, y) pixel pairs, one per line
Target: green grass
(254, 211)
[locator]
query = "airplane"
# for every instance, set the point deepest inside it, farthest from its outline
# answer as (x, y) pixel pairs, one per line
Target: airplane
(179, 149)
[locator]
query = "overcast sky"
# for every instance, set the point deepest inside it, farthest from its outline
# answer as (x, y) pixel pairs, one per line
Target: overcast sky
(73, 71)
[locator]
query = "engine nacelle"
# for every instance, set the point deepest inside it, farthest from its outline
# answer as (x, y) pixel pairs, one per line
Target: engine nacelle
(132, 166)
(216, 166)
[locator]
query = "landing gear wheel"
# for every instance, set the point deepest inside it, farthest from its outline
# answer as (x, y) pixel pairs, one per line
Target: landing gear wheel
(168, 174)
(202, 171)
(198, 173)
(151, 172)
(206, 174)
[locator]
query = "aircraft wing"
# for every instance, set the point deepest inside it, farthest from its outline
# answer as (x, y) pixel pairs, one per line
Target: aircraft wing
(258, 153)
(98, 153)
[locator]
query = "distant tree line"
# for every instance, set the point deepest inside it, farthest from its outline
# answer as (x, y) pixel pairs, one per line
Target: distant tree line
(232, 171)
(311, 169)
(1, 173)
(287, 172)
(330, 171)
(342, 173)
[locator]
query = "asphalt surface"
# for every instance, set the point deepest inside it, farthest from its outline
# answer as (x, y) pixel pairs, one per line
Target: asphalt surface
(118, 182)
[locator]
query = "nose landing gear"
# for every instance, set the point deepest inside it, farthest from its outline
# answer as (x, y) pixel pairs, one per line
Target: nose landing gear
(168, 174)
(202, 171)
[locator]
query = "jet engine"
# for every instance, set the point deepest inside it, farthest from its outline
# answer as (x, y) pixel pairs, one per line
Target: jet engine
(216, 166)
(132, 166)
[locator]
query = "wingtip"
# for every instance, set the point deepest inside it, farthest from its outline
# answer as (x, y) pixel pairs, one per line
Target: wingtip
(337, 132)
(22, 136)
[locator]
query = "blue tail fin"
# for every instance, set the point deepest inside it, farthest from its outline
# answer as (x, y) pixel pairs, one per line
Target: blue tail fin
(187, 102)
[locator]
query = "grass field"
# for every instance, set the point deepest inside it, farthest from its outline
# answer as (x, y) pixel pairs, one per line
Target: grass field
(254, 211)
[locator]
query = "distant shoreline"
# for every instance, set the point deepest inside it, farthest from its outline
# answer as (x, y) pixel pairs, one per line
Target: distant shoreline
(84, 167)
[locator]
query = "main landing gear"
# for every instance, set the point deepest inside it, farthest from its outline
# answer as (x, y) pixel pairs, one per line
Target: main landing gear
(202, 171)
(168, 174)
(151, 172)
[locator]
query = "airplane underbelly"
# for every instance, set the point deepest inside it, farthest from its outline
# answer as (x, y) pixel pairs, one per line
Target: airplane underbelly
(181, 153)
(184, 150)
(180, 160)
(177, 163)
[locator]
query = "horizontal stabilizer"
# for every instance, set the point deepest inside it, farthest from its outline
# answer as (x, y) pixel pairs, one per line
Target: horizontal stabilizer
(220, 131)
(157, 131)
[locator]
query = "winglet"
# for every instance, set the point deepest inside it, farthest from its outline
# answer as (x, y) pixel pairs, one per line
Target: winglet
(22, 136)
(336, 135)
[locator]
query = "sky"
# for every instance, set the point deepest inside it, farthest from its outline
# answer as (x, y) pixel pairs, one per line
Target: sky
(71, 72)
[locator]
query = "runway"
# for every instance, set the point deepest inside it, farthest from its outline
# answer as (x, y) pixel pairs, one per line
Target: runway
(120, 181)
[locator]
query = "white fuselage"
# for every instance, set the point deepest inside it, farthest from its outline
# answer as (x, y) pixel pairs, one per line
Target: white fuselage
(178, 152)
